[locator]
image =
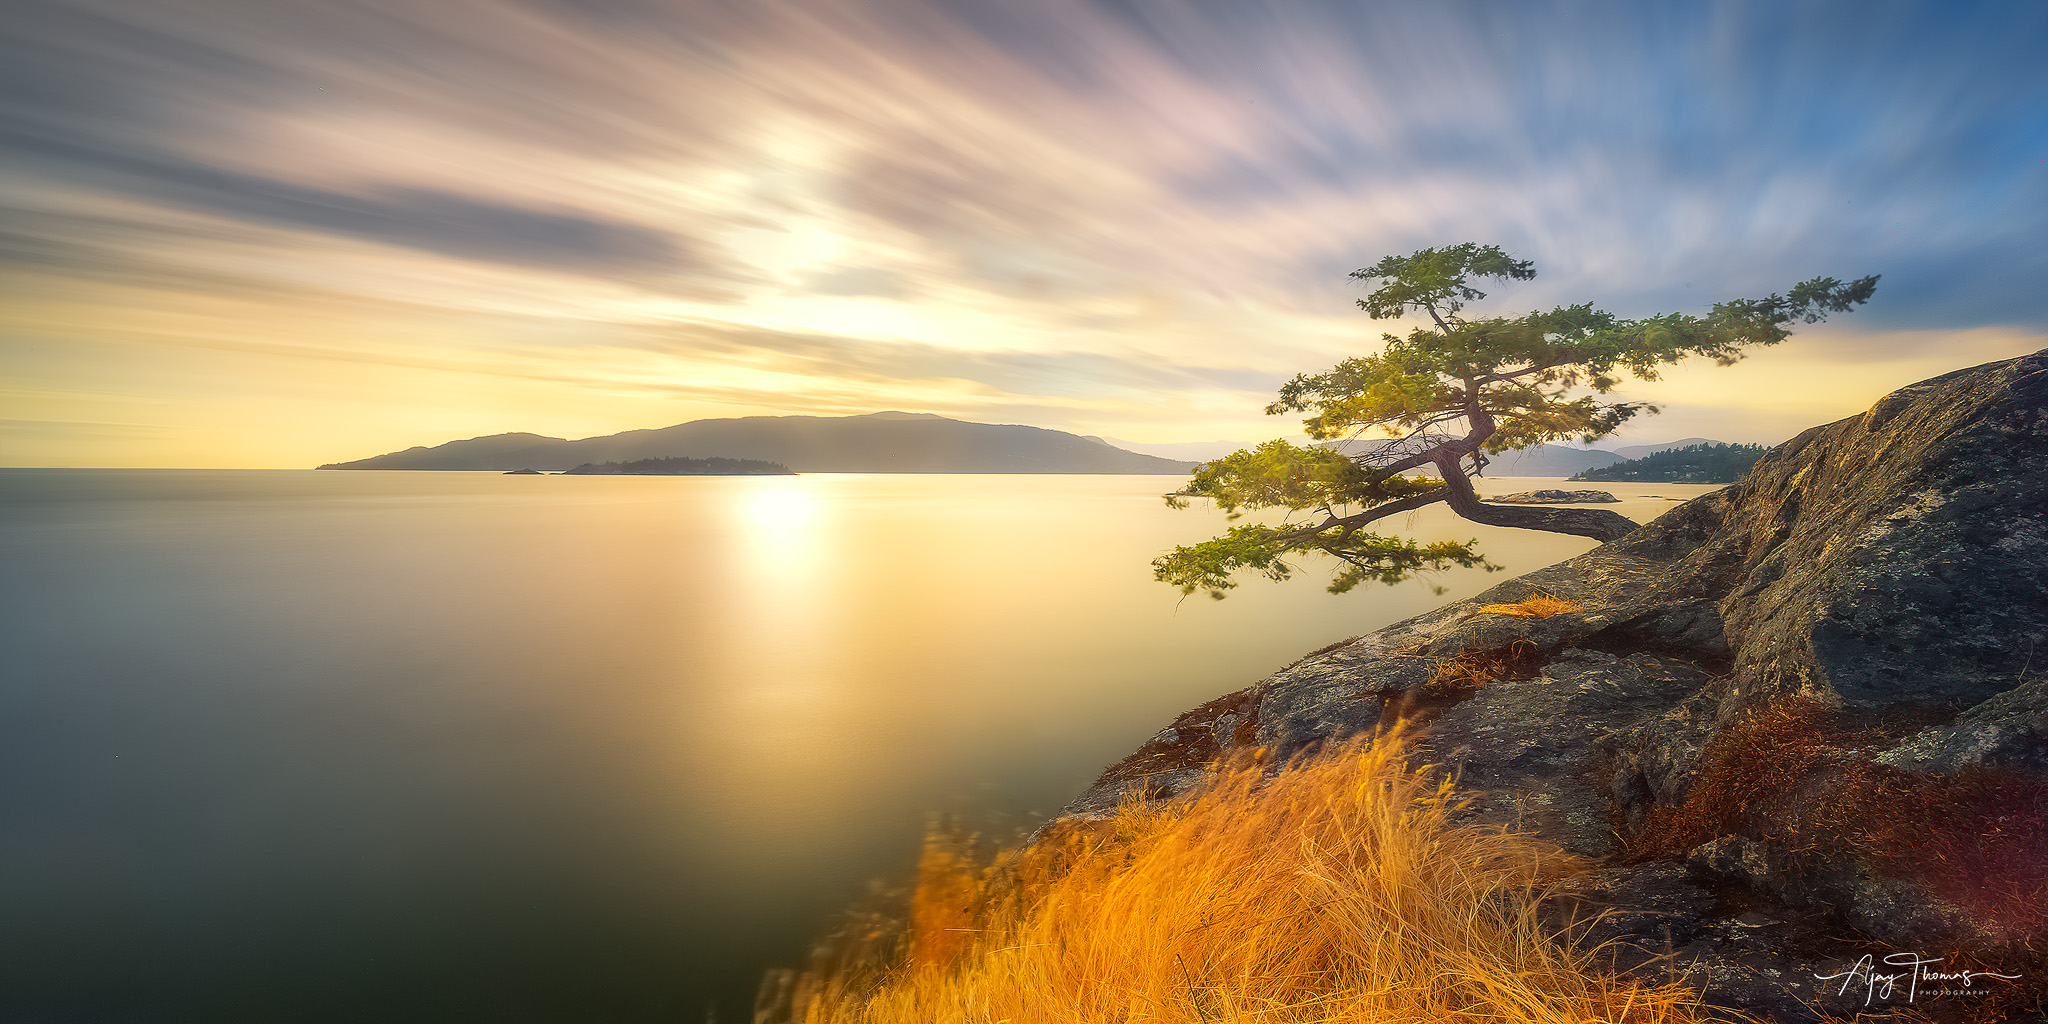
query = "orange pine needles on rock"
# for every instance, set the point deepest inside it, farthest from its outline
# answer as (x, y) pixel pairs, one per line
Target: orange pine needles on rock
(1541, 606)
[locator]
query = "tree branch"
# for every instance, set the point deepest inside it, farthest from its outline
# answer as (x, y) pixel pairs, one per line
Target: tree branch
(1465, 446)
(1351, 523)
(1392, 469)
(1494, 378)
(1598, 523)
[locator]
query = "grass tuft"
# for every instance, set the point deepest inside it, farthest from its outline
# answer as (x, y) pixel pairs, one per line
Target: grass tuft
(1335, 891)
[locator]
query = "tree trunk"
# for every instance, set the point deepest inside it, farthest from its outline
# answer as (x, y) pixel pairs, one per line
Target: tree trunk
(1598, 523)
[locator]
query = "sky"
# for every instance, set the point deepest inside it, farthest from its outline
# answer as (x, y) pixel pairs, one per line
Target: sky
(277, 233)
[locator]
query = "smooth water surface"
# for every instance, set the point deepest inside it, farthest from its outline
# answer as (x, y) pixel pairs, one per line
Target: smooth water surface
(443, 746)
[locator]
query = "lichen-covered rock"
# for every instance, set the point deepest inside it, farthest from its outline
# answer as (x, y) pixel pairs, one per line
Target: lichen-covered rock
(2009, 730)
(1652, 910)
(1533, 747)
(1653, 763)
(1820, 694)
(1900, 558)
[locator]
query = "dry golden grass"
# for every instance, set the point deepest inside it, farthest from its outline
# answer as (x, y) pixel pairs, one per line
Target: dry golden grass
(1336, 891)
(1540, 606)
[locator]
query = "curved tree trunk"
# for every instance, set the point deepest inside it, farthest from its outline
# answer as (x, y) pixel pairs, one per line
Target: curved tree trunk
(1598, 523)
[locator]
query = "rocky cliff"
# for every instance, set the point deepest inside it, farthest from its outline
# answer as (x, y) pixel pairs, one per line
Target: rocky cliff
(1794, 722)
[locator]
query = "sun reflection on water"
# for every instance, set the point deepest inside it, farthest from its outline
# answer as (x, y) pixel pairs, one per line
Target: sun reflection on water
(786, 676)
(783, 505)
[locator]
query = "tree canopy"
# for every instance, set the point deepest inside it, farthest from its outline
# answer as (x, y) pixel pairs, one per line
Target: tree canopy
(1447, 396)
(1692, 464)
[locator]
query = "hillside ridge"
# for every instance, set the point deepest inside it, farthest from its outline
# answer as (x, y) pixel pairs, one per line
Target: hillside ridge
(885, 442)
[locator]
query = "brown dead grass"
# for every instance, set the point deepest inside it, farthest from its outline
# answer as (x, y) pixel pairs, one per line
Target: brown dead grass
(1474, 669)
(1454, 680)
(1335, 891)
(1976, 838)
(1195, 742)
(1746, 778)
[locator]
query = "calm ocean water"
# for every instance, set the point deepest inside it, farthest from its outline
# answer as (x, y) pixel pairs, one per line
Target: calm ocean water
(296, 746)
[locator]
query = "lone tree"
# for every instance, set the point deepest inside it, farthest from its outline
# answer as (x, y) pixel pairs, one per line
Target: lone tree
(1448, 397)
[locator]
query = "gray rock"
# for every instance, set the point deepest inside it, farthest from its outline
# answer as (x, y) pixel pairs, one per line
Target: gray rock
(1225, 730)
(1652, 909)
(1734, 858)
(1533, 746)
(1554, 497)
(1897, 558)
(2008, 731)
(1653, 763)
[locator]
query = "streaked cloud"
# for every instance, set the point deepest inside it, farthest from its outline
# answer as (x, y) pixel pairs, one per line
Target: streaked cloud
(1128, 218)
(426, 219)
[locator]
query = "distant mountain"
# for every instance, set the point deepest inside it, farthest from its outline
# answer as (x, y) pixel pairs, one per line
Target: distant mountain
(1199, 451)
(883, 442)
(1549, 460)
(1637, 451)
(1541, 460)
(1556, 460)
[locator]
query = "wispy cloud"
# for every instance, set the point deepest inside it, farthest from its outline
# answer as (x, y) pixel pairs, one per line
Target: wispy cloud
(1125, 217)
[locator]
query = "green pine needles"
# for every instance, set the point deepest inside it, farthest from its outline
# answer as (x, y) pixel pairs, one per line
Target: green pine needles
(1447, 396)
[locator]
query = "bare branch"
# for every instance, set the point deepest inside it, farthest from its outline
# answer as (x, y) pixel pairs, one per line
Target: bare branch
(1396, 449)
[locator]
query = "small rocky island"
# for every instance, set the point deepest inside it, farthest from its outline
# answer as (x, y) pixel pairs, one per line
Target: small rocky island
(681, 466)
(1555, 497)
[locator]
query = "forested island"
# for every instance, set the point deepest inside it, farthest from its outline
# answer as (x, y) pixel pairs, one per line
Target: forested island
(681, 466)
(879, 442)
(1692, 464)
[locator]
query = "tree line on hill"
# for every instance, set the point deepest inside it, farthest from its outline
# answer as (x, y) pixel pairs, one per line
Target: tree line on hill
(682, 466)
(1692, 464)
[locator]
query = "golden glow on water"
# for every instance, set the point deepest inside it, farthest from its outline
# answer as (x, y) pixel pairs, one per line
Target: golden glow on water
(891, 631)
(677, 693)
(785, 507)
